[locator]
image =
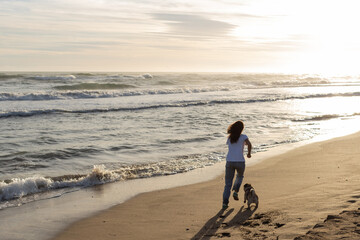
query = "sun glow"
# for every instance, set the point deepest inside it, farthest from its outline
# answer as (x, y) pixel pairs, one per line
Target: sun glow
(315, 36)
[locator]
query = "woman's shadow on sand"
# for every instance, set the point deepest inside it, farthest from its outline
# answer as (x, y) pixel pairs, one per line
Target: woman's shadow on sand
(218, 222)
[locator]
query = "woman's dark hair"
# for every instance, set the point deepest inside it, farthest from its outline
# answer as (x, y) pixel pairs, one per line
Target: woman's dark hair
(234, 131)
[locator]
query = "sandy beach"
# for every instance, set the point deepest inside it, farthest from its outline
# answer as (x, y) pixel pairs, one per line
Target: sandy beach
(114, 119)
(312, 192)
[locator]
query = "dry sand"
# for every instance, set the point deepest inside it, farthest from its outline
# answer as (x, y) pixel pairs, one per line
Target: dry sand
(303, 194)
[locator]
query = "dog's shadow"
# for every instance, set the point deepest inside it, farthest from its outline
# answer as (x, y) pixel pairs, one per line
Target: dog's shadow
(243, 215)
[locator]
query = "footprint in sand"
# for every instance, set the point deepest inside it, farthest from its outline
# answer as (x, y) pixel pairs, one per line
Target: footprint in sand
(223, 234)
(353, 201)
(342, 226)
(261, 226)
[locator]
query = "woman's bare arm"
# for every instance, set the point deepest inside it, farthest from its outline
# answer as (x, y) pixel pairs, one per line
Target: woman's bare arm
(248, 143)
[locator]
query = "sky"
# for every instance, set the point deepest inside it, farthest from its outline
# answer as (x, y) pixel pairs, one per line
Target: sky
(312, 36)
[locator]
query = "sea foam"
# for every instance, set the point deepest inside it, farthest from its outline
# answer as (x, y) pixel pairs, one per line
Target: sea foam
(18, 188)
(52, 77)
(68, 93)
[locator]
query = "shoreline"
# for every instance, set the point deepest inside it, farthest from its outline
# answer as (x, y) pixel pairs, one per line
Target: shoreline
(45, 219)
(308, 184)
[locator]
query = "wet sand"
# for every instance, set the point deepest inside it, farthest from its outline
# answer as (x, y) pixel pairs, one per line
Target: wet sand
(300, 193)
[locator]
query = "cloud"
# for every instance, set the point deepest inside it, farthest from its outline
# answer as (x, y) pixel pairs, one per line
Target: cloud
(153, 33)
(188, 25)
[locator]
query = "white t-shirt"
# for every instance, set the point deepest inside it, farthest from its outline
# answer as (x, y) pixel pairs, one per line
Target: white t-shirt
(236, 150)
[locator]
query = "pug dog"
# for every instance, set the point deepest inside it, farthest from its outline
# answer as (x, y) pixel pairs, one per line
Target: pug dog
(250, 195)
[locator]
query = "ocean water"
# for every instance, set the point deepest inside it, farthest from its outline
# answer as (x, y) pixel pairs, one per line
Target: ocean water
(62, 132)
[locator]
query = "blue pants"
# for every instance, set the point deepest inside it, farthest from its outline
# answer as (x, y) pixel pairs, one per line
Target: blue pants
(230, 169)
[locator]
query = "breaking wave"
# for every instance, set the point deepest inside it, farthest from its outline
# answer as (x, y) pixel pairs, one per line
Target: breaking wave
(93, 86)
(18, 188)
(56, 95)
(147, 76)
(64, 76)
(324, 117)
(49, 78)
(4, 76)
(180, 104)
(74, 94)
